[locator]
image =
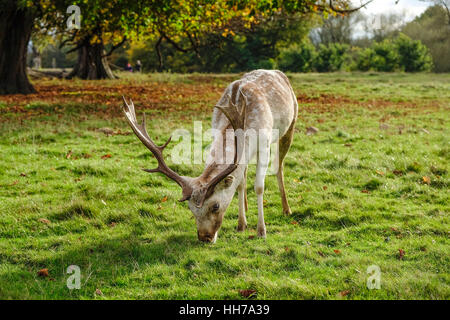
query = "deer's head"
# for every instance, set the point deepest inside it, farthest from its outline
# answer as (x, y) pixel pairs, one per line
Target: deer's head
(208, 199)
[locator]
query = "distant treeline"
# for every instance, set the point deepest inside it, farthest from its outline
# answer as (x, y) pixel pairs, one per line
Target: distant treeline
(299, 43)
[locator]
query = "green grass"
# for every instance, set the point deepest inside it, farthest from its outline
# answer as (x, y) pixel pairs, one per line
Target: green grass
(373, 180)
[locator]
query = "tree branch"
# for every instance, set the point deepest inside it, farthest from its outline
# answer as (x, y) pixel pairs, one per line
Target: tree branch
(63, 43)
(345, 11)
(158, 52)
(173, 43)
(114, 47)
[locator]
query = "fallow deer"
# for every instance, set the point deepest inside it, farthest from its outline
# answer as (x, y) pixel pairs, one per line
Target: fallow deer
(263, 101)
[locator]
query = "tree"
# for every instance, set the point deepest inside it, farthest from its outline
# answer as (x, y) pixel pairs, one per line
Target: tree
(383, 26)
(16, 24)
(432, 28)
(445, 5)
(337, 29)
(104, 25)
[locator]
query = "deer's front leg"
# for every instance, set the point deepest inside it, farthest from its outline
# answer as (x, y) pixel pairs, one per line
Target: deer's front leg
(242, 220)
(261, 169)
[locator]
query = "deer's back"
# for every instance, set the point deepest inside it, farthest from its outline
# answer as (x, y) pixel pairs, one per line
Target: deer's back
(271, 101)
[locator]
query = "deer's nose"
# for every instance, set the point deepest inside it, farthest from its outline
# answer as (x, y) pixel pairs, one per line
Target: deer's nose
(205, 237)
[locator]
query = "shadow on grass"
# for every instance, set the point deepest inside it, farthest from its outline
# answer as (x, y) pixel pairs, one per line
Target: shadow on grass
(104, 263)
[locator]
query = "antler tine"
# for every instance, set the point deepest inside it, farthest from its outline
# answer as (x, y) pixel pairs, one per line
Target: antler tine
(129, 111)
(142, 134)
(236, 118)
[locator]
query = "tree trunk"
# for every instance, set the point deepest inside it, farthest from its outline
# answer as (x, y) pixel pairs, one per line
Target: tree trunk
(15, 31)
(92, 63)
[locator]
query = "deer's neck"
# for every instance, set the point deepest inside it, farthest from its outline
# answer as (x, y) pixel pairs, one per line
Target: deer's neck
(221, 153)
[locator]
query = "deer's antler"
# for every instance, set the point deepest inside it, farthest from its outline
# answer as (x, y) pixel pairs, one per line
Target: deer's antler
(237, 120)
(141, 133)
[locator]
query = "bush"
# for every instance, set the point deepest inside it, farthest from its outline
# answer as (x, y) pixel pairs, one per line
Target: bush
(382, 56)
(386, 56)
(390, 55)
(297, 58)
(332, 57)
(413, 55)
(366, 59)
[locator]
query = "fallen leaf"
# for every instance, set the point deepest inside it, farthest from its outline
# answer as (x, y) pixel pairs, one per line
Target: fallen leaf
(294, 222)
(251, 237)
(43, 220)
(69, 154)
(324, 187)
(397, 172)
(365, 191)
(337, 251)
(106, 156)
(23, 174)
(344, 293)
(14, 183)
(98, 292)
(43, 273)
(401, 254)
(247, 293)
(426, 180)
(164, 199)
(348, 145)
(396, 230)
(321, 254)
(380, 173)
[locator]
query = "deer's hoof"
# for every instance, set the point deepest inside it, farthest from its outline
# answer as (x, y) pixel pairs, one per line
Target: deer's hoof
(262, 233)
(241, 227)
(287, 212)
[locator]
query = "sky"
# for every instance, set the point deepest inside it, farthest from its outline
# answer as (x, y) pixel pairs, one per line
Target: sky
(411, 8)
(408, 8)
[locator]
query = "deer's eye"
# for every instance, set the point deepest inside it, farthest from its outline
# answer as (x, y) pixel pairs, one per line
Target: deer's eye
(215, 207)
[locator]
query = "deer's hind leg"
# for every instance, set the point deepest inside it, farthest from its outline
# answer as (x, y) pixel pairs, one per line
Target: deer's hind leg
(284, 145)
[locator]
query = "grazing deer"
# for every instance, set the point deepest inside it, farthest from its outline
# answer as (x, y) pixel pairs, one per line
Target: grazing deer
(263, 100)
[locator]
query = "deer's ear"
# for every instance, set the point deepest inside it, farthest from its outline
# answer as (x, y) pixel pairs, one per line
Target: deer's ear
(228, 181)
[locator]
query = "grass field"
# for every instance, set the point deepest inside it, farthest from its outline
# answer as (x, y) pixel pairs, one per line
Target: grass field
(370, 188)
